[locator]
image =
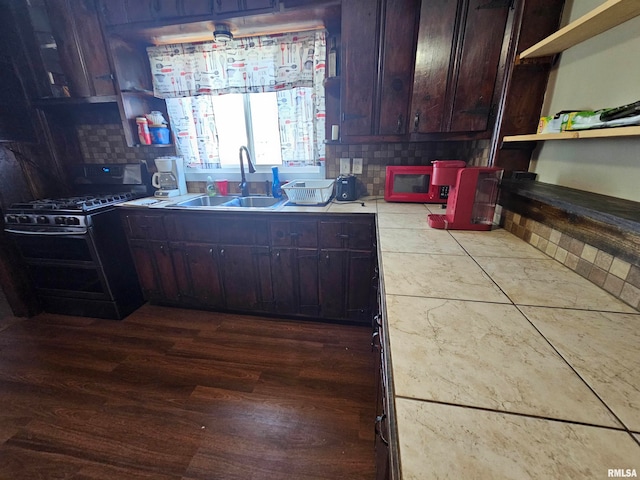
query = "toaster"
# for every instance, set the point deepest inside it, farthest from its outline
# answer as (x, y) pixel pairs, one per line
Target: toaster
(346, 188)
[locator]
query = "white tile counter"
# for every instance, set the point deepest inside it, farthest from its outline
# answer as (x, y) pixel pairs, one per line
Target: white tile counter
(506, 364)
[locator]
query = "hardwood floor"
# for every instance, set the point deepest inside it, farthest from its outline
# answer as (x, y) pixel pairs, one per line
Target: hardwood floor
(181, 394)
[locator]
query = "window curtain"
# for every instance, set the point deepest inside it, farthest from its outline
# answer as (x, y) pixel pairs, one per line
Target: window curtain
(292, 64)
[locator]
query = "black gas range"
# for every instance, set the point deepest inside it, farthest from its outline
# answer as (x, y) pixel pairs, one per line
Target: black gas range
(75, 249)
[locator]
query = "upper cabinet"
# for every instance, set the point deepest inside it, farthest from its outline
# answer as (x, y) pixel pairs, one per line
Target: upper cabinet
(80, 45)
(65, 50)
(120, 12)
(414, 67)
(457, 65)
(397, 53)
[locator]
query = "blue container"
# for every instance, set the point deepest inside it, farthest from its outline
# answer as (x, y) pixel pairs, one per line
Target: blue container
(276, 189)
(159, 135)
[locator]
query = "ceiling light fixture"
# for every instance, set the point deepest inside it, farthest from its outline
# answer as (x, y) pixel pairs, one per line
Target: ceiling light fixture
(222, 34)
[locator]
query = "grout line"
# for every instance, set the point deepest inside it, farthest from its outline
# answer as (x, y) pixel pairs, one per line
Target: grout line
(519, 414)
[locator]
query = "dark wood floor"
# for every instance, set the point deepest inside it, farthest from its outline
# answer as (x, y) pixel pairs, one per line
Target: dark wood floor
(182, 394)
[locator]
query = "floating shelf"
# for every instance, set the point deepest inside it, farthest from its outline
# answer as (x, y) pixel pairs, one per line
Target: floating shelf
(573, 135)
(606, 16)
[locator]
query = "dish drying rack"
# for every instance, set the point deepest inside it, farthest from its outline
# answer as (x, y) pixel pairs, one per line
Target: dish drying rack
(309, 192)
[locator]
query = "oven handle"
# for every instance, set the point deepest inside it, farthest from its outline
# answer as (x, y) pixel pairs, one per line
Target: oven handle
(41, 233)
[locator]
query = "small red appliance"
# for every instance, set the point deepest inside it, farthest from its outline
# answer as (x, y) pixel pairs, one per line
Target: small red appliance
(473, 192)
(413, 184)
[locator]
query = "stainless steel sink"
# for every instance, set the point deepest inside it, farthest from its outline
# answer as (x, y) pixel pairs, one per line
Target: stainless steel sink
(206, 201)
(255, 202)
(232, 201)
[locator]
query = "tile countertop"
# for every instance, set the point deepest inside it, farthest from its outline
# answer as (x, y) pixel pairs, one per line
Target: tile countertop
(506, 364)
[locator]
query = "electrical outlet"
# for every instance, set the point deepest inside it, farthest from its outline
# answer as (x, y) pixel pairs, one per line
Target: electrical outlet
(345, 166)
(357, 166)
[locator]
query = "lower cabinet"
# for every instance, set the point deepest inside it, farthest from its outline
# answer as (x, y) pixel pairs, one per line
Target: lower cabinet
(244, 262)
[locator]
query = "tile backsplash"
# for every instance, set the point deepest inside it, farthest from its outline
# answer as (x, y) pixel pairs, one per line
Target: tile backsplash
(377, 156)
(106, 143)
(617, 276)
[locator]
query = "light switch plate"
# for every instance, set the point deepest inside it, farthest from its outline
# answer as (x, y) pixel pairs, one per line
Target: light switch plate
(357, 166)
(345, 166)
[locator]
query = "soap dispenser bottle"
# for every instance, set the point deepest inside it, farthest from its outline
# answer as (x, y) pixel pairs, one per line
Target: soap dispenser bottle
(275, 187)
(211, 187)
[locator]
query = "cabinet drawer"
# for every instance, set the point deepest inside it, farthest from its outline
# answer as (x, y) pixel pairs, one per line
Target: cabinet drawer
(145, 227)
(351, 235)
(288, 234)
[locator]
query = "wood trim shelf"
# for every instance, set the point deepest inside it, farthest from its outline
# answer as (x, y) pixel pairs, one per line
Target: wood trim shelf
(606, 16)
(598, 133)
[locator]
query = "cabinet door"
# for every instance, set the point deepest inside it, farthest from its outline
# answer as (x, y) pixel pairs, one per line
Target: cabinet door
(397, 61)
(434, 52)
(307, 286)
(148, 10)
(226, 6)
(202, 283)
(197, 7)
(155, 270)
(283, 262)
(478, 65)
(360, 286)
(332, 268)
(359, 53)
(83, 53)
(246, 277)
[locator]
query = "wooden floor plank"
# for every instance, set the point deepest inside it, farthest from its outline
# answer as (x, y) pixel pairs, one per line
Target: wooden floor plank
(180, 394)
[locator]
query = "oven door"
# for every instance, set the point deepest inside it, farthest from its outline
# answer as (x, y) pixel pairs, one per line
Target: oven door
(62, 263)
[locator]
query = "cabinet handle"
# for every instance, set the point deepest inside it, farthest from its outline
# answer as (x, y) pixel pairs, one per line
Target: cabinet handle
(379, 420)
(399, 124)
(278, 254)
(416, 122)
(156, 5)
(342, 235)
(294, 234)
(373, 338)
(222, 252)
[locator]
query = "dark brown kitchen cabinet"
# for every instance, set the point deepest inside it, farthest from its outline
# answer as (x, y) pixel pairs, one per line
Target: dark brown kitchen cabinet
(347, 268)
(198, 274)
(246, 277)
(457, 65)
(397, 53)
(149, 10)
(153, 262)
(236, 6)
(294, 266)
(81, 47)
(358, 66)
(302, 265)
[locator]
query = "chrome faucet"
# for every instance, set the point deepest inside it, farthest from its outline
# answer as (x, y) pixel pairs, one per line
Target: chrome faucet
(244, 188)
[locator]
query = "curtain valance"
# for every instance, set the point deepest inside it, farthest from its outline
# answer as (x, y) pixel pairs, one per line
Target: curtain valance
(268, 63)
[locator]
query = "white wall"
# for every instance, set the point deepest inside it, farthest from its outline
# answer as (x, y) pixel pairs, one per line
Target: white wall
(601, 72)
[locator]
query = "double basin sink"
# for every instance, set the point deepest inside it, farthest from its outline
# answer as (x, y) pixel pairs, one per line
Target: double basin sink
(232, 201)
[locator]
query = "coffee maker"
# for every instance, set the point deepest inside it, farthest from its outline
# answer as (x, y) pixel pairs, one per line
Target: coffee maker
(473, 192)
(169, 179)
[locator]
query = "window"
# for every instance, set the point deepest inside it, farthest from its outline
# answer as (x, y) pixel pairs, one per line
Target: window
(263, 92)
(278, 128)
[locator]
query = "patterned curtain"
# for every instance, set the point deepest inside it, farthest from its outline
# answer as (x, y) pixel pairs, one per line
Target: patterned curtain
(291, 64)
(244, 65)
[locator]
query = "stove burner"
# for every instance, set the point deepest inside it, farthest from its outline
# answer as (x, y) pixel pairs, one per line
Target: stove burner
(78, 203)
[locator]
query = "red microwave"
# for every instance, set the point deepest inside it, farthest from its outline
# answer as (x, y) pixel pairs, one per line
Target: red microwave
(413, 184)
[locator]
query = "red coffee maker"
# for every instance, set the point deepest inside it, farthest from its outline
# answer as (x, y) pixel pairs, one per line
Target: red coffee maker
(473, 192)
